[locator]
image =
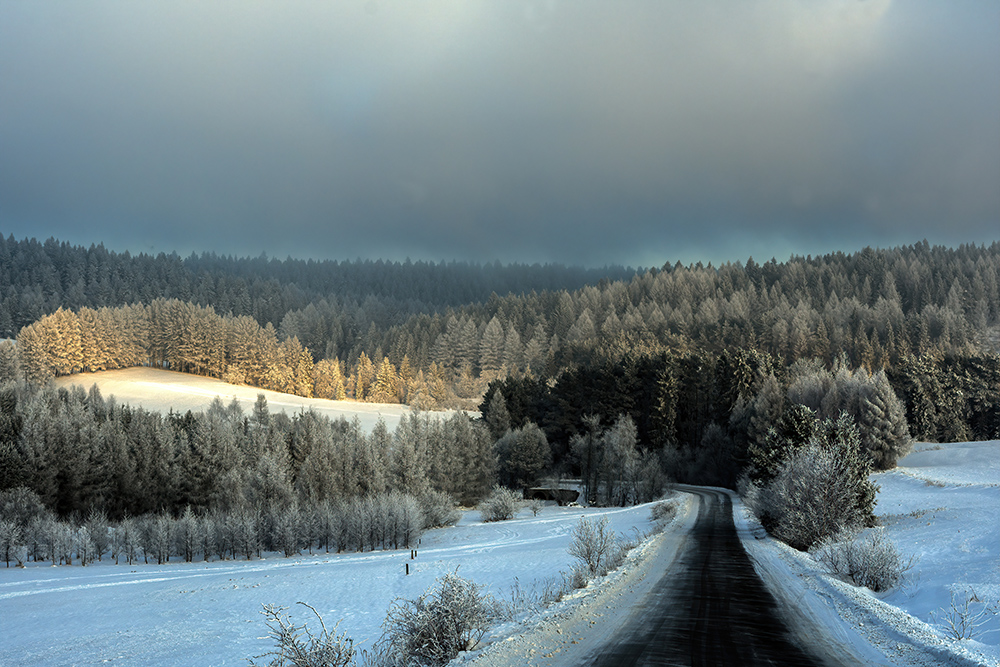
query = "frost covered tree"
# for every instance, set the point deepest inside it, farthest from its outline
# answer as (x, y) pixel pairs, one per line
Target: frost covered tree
(491, 347)
(766, 409)
(883, 424)
(408, 456)
(328, 380)
(513, 350)
(10, 362)
(618, 456)
(11, 538)
(820, 490)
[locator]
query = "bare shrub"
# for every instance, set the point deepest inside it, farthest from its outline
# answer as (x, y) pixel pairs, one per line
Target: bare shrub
(536, 506)
(521, 599)
(297, 646)
(552, 590)
(579, 576)
(501, 505)
(450, 617)
(868, 559)
(966, 616)
(595, 545)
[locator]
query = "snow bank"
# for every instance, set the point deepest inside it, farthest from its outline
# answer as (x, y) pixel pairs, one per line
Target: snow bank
(940, 505)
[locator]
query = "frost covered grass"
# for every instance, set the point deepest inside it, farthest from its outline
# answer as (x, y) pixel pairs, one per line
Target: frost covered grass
(209, 613)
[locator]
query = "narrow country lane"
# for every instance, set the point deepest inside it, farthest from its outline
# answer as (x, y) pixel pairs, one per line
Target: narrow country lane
(710, 608)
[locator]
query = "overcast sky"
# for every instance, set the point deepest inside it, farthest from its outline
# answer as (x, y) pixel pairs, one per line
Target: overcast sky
(580, 132)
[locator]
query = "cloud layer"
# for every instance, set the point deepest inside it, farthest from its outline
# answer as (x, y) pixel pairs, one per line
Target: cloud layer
(584, 132)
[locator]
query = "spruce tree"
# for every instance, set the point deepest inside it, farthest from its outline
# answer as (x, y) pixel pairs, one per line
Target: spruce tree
(491, 347)
(883, 423)
(496, 416)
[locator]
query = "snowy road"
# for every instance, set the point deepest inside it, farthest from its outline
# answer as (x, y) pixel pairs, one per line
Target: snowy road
(710, 608)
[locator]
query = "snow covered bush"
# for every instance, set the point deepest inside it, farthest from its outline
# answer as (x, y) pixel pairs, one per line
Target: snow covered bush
(297, 646)
(663, 512)
(449, 617)
(501, 505)
(868, 559)
(595, 545)
(821, 489)
(439, 509)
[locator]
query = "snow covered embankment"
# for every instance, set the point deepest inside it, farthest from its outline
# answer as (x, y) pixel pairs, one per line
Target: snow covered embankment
(941, 506)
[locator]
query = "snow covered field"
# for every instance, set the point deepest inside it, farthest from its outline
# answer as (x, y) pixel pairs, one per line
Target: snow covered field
(942, 504)
(160, 390)
(208, 613)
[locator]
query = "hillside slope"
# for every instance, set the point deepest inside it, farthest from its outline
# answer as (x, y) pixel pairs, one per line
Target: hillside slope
(160, 390)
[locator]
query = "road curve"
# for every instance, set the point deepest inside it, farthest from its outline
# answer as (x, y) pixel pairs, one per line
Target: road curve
(710, 608)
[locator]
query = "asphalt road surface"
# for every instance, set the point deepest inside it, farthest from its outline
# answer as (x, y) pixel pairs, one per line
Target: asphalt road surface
(711, 608)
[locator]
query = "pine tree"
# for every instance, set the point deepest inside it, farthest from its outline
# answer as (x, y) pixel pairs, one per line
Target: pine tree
(766, 409)
(407, 462)
(491, 348)
(586, 449)
(10, 362)
(513, 351)
(385, 388)
(328, 380)
(886, 435)
(496, 417)
(405, 378)
(536, 349)
(364, 376)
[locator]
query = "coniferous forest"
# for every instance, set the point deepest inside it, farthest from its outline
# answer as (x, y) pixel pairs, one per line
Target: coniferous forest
(621, 378)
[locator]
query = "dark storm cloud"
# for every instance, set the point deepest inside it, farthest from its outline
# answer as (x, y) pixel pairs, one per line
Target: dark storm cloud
(583, 132)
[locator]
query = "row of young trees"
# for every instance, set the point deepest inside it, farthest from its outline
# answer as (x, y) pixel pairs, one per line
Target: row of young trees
(81, 476)
(29, 532)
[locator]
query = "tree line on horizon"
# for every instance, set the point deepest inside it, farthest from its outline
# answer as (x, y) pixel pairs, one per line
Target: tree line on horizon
(37, 278)
(877, 308)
